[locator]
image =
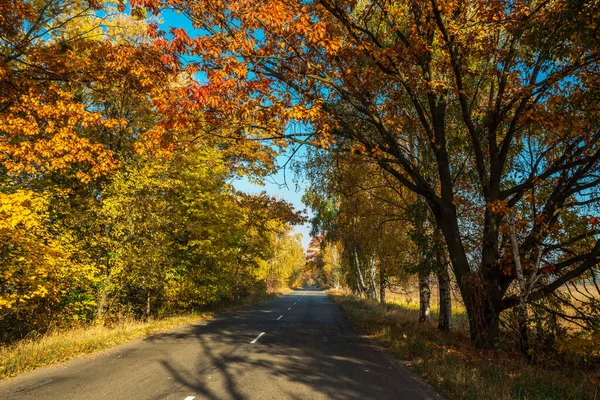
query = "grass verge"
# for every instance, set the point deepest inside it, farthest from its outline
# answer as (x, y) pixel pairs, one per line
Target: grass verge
(455, 368)
(61, 345)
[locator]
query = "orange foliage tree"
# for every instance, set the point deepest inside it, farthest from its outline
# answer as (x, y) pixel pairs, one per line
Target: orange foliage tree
(115, 190)
(501, 96)
(78, 86)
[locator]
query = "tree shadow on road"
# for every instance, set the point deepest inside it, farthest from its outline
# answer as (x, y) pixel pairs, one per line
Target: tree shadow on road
(299, 360)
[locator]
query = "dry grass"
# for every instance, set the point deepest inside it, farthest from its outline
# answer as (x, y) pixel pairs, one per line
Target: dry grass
(459, 371)
(61, 345)
(409, 303)
(58, 346)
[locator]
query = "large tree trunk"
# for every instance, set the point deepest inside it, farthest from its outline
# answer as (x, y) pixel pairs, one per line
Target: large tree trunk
(481, 292)
(484, 320)
(424, 297)
(445, 317)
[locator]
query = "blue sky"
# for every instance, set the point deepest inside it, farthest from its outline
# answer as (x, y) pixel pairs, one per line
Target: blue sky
(283, 184)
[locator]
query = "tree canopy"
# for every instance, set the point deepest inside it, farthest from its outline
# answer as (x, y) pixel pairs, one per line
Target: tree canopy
(116, 195)
(462, 132)
(476, 106)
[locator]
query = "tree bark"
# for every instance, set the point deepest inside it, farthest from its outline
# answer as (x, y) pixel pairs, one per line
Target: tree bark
(424, 297)
(484, 321)
(443, 277)
(372, 276)
(381, 284)
(147, 304)
(101, 309)
(482, 301)
(102, 303)
(361, 280)
(445, 317)
(523, 292)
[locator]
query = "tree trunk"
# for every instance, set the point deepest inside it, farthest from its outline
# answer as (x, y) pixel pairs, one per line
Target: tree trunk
(424, 297)
(523, 292)
(381, 284)
(373, 280)
(479, 297)
(445, 317)
(102, 303)
(147, 304)
(484, 320)
(361, 280)
(357, 290)
(523, 333)
(101, 309)
(445, 300)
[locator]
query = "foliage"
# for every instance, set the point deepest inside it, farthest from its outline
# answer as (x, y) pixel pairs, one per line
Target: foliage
(284, 265)
(361, 214)
(477, 106)
(186, 238)
(115, 191)
(43, 281)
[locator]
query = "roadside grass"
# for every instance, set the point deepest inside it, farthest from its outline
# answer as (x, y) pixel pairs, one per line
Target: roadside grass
(409, 305)
(62, 345)
(455, 368)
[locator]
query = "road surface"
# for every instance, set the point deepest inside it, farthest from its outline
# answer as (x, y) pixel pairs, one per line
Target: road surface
(296, 346)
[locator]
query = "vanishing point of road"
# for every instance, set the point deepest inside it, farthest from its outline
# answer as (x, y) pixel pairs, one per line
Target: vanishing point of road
(296, 346)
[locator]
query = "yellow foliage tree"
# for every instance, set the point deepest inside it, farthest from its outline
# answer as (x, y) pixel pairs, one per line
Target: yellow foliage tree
(42, 279)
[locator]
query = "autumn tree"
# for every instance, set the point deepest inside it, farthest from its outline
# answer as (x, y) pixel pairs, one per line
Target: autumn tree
(115, 189)
(360, 212)
(45, 280)
(180, 236)
(363, 210)
(286, 256)
(333, 265)
(50, 53)
(501, 95)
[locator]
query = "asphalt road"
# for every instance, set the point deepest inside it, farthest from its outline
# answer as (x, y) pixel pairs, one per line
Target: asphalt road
(296, 346)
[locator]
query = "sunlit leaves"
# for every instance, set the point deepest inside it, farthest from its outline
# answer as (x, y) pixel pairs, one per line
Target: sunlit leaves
(41, 271)
(115, 197)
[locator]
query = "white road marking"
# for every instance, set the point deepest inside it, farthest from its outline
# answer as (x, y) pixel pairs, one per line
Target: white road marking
(256, 338)
(289, 308)
(281, 316)
(190, 398)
